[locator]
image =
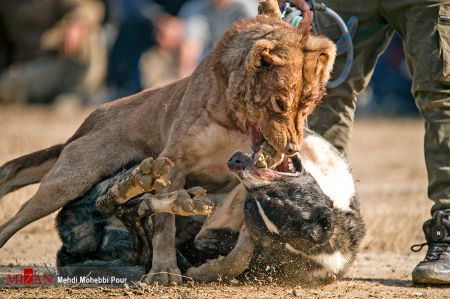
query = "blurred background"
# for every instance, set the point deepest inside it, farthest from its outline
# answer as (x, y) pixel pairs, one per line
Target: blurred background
(75, 53)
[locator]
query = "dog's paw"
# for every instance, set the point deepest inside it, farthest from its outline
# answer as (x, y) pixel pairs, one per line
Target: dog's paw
(192, 202)
(182, 202)
(164, 275)
(151, 174)
(218, 241)
(207, 272)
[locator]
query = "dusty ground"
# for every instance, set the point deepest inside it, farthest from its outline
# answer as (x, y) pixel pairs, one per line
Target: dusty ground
(387, 160)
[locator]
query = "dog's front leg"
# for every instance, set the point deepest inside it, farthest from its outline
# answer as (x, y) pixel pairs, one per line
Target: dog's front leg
(148, 176)
(164, 262)
(229, 266)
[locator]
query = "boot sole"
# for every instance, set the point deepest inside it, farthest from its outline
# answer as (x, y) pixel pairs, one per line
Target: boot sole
(430, 278)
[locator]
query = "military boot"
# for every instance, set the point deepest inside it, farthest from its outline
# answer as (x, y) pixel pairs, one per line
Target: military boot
(435, 268)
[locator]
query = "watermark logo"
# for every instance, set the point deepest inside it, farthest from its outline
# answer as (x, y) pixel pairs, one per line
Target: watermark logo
(28, 278)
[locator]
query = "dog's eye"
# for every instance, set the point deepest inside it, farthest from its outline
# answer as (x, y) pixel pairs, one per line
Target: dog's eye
(280, 104)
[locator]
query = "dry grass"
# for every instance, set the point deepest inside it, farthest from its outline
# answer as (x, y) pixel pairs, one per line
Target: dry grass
(386, 156)
(23, 131)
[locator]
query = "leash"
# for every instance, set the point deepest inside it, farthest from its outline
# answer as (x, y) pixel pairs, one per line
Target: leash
(294, 16)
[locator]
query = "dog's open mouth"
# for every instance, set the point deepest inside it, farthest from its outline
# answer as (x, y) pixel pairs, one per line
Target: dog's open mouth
(268, 157)
(265, 156)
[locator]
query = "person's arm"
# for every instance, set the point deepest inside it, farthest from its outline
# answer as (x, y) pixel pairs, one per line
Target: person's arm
(78, 18)
(85, 15)
(196, 33)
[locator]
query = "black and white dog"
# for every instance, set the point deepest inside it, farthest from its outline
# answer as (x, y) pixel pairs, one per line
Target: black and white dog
(302, 225)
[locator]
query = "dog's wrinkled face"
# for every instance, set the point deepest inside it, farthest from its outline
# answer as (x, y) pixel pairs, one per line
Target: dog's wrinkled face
(288, 205)
(275, 74)
(297, 215)
(285, 81)
(279, 86)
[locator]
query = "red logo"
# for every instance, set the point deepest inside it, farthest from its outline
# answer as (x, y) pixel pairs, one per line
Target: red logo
(28, 277)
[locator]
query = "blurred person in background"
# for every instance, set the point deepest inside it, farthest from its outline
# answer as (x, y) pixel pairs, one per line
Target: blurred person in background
(205, 23)
(200, 26)
(160, 65)
(49, 49)
(137, 22)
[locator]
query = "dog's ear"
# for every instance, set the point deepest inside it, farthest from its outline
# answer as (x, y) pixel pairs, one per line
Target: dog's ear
(262, 54)
(319, 55)
(269, 8)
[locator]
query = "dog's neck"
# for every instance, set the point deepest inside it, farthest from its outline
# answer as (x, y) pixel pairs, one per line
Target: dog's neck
(219, 108)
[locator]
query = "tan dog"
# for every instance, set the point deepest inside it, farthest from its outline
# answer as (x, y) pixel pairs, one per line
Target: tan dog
(259, 83)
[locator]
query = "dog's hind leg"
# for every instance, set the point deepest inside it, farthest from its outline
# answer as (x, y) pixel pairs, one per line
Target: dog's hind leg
(229, 266)
(28, 169)
(81, 164)
(135, 215)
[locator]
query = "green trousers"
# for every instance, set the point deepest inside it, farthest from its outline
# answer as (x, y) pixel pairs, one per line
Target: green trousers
(424, 26)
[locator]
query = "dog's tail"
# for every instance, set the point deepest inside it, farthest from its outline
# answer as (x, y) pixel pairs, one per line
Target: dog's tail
(28, 169)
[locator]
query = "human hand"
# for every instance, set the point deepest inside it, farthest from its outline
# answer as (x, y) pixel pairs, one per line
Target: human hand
(306, 23)
(73, 38)
(169, 32)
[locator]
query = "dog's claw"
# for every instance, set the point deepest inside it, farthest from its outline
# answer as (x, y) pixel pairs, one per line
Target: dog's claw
(192, 202)
(182, 202)
(203, 273)
(164, 276)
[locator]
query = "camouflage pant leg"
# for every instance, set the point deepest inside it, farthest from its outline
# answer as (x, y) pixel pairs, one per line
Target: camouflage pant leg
(424, 27)
(334, 116)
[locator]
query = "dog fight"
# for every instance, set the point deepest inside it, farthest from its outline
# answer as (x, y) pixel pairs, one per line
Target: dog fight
(224, 149)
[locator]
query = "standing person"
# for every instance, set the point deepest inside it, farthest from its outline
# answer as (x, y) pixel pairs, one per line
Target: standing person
(136, 21)
(424, 27)
(205, 22)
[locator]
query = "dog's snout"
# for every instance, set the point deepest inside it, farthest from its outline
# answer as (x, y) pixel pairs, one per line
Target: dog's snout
(239, 161)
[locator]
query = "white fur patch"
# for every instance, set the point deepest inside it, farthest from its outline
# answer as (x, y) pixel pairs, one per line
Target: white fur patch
(269, 224)
(329, 170)
(320, 273)
(213, 145)
(335, 261)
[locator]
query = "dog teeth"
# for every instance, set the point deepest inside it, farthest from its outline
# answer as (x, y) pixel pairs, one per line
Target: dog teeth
(267, 157)
(260, 160)
(291, 166)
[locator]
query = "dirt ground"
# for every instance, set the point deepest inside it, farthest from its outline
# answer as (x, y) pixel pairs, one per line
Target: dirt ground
(387, 161)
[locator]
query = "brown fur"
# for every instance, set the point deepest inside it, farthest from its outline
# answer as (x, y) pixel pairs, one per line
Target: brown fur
(262, 73)
(21, 167)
